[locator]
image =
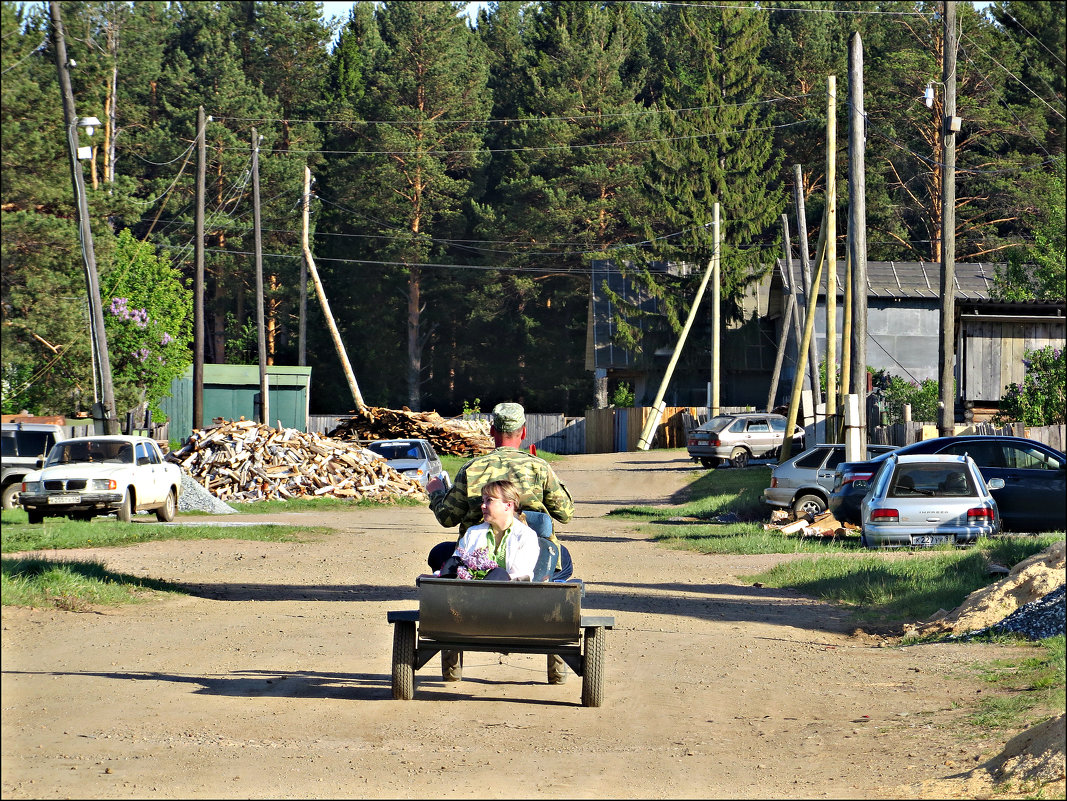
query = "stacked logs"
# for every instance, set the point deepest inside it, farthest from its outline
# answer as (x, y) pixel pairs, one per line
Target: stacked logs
(246, 461)
(451, 437)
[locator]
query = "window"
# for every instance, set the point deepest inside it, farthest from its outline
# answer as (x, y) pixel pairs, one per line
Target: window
(738, 427)
(758, 426)
(1028, 459)
(813, 460)
(778, 424)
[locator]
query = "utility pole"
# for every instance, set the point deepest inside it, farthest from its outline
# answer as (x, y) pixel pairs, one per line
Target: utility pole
(949, 125)
(198, 277)
(805, 268)
(106, 414)
(357, 397)
(649, 430)
(831, 258)
(857, 229)
(264, 403)
(716, 320)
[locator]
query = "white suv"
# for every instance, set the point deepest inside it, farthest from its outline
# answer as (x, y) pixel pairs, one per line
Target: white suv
(25, 445)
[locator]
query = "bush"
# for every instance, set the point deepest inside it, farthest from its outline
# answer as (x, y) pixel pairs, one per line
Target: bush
(1039, 399)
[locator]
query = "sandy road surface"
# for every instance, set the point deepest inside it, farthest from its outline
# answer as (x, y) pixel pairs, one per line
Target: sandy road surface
(272, 679)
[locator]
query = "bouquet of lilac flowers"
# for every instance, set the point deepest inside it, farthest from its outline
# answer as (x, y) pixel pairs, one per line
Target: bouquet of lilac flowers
(476, 563)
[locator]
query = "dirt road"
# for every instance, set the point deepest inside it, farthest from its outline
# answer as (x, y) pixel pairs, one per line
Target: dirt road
(272, 679)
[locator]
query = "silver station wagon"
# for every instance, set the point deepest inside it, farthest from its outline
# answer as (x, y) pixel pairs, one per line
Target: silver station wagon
(923, 500)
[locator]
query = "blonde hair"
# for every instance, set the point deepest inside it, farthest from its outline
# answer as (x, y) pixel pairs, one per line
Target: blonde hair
(508, 492)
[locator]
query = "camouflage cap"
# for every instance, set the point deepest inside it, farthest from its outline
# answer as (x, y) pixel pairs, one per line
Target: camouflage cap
(508, 417)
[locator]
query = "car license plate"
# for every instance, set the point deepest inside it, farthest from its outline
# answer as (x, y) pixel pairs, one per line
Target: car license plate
(63, 499)
(930, 539)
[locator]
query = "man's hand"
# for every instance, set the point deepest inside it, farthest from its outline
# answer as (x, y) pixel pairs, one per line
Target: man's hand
(434, 484)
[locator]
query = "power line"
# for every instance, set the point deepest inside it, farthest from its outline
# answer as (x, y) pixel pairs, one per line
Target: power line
(517, 120)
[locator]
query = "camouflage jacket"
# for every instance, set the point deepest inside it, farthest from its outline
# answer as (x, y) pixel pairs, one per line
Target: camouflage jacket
(538, 487)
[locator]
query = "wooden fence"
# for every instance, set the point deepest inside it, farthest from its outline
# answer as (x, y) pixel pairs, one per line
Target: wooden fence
(614, 430)
(906, 433)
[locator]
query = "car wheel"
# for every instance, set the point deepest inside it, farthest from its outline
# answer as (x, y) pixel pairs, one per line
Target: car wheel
(165, 513)
(863, 541)
(708, 463)
(739, 457)
(34, 516)
(808, 503)
(10, 497)
(125, 510)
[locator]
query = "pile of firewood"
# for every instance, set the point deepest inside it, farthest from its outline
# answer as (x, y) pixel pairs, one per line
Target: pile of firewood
(809, 525)
(246, 461)
(451, 437)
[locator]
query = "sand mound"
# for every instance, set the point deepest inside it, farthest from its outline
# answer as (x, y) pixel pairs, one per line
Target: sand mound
(1030, 580)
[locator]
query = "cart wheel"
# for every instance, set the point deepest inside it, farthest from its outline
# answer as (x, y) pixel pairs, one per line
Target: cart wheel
(452, 665)
(593, 667)
(404, 661)
(557, 669)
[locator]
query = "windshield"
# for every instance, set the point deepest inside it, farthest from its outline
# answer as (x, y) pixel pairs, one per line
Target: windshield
(396, 450)
(91, 451)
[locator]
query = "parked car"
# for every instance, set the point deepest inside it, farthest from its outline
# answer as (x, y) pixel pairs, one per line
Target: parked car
(24, 445)
(414, 458)
(89, 476)
(737, 438)
(1032, 498)
(803, 483)
(922, 500)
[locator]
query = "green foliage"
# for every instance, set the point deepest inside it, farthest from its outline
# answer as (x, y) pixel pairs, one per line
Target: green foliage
(1038, 271)
(148, 312)
(474, 407)
(1041, 397)
(623, 396)
(896, 392)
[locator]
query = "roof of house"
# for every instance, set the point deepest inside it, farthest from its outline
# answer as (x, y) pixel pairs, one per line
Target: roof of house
(915, 279)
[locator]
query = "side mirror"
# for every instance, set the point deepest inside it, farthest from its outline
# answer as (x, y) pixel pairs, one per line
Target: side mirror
(861, 484)
(995, 483)
(39, 463)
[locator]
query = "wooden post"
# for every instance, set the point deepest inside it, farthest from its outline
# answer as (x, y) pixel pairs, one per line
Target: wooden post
(946, 346)
(783, 338)
(257, 234)
(321, 293)
(831, 258)
(716, 298)
(810, 286)
(198, 270)
(857, 225)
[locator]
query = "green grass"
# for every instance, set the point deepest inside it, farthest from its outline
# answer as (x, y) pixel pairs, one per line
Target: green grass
(74, 585)
(320, 504)
(1027, 687)
(79, 583)
(60, 533)
(714, 493)
(905, 586)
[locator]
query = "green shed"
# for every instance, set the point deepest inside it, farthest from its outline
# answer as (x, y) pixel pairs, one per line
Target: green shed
(231, 391)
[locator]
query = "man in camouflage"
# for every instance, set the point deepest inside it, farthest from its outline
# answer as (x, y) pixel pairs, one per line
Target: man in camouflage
(539, 488)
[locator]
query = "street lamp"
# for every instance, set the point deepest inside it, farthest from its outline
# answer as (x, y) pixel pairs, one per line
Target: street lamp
(90, 124)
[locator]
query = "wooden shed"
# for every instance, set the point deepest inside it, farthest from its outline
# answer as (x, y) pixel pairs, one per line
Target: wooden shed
(993, 338)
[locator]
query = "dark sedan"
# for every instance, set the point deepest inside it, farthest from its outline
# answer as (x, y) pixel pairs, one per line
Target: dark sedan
(1034, 491)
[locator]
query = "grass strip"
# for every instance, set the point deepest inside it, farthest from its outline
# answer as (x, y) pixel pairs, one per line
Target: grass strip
(73, 585)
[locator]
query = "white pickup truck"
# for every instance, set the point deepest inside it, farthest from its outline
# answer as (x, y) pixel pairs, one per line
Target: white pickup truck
(89, 476)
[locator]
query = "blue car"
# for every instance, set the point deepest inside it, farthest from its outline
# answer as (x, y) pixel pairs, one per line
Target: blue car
(1035, 479)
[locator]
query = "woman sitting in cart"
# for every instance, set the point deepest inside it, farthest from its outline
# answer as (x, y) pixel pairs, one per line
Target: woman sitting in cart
(511, 545)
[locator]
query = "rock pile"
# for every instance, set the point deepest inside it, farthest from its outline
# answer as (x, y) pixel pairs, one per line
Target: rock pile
(1027, 597)
(246, 461)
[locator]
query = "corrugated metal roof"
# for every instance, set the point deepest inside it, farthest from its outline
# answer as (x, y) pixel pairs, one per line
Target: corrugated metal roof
(918, 279)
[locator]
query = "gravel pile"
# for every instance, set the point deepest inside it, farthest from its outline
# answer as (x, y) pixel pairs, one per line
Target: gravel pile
(194, 498)
(1035, 621)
